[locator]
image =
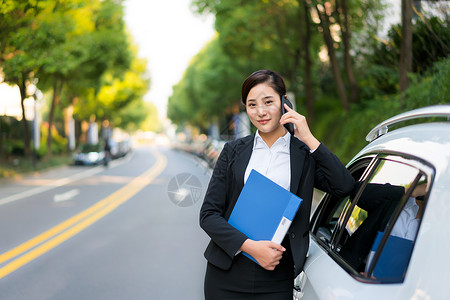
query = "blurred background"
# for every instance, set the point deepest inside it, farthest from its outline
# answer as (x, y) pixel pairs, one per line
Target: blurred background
(113, 113)
(87, 72)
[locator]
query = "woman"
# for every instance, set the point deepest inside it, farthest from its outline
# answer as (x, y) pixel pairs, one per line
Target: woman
(298, 163)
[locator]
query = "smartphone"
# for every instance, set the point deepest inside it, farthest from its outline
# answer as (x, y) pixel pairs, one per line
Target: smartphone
(288, 126)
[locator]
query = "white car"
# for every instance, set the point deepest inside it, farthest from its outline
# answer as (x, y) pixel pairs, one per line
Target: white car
(391, 238)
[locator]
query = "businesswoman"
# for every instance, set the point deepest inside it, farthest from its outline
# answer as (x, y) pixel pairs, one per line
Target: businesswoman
(298, 163)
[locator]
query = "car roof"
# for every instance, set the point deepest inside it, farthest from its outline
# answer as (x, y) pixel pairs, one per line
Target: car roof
(430, 142)
(423, 112)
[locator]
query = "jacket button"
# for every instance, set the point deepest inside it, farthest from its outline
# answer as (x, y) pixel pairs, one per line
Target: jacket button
(292, 235)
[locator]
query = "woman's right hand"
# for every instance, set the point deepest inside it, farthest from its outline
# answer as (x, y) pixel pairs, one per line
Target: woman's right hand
(267, 253)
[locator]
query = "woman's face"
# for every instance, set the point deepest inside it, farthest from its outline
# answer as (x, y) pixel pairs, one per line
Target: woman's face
(264, 108)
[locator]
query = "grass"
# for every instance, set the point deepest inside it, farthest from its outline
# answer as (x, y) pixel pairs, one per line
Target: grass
(16, 166)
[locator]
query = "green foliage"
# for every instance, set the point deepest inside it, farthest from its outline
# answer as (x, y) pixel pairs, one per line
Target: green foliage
(151, 121)
(431, 43)
(10, 128)
(378, 80)
(132, 116)
(114, 96)
(59, 144)
(256, 35)
(77, 49)
(208, 88)
(431, 88)
(345, 133)
(261, 35)
(268, 34)
(12, 145)
(17, 166)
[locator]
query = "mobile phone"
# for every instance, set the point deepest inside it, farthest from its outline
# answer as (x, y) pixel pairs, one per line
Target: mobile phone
(288, 126)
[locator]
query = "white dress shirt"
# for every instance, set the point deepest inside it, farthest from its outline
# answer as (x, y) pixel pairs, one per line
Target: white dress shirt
(273, 162)
(406, 225)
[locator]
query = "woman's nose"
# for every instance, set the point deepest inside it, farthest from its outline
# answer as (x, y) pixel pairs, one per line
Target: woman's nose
(261, 110)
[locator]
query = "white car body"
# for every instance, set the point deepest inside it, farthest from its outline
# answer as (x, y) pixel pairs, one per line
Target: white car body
(427, 274)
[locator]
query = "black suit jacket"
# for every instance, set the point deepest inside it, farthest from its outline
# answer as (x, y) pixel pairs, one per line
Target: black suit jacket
(321, 169)
(380, 201)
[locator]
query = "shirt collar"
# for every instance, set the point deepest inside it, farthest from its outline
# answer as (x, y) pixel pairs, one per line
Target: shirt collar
(259, 143)
(411, 204)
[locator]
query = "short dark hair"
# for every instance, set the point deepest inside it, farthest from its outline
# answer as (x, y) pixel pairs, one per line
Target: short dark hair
(263, 76)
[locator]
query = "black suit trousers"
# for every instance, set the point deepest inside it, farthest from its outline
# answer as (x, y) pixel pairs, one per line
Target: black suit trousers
(248, 280)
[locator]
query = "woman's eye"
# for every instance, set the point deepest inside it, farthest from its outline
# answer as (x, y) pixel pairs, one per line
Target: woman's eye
(251, 105)
(269, 102)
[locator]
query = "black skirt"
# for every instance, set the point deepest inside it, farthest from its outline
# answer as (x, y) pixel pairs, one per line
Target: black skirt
(248, 280)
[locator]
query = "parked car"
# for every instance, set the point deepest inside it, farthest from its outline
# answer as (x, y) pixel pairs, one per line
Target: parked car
(89, 155)
(123, 148)
(390, 239)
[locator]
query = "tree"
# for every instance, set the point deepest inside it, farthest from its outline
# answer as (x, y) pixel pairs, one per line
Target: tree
(152, 121)
(324, 13)
(249, 32)
(337, 19)
(87, 51)
(305, 38)
(115, 95)
(61, 60)
(344, 24)
(269, 34)
(18, 64)
(209, 87)
(69, 46)
(405, 63)
(38, 47)
(431, 43)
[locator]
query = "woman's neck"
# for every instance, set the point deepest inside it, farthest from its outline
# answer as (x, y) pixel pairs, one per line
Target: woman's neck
(271, 137)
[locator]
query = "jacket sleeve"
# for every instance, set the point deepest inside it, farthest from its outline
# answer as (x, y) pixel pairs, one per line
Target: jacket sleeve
(375, 195)
(217, 202)
(331, 175)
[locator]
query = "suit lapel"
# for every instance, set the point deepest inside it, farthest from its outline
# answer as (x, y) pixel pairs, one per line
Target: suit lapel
(298, 153)
(243, 152)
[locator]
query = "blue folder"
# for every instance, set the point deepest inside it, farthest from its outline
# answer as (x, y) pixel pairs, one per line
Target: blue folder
(393, 260)
(264, 210)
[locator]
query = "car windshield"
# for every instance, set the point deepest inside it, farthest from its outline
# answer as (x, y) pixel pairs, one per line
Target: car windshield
(90, 148)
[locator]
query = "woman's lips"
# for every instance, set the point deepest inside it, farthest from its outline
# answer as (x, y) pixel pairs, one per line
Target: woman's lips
(263, 121)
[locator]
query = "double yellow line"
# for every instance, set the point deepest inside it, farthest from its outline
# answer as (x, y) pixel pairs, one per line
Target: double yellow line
(67, 229)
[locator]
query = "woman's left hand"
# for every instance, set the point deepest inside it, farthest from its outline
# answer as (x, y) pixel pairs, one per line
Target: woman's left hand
(301, 130)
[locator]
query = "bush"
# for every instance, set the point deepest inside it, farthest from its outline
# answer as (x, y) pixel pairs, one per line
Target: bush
(433, 88)
(344, 132)
(59, 143)
(18, 148)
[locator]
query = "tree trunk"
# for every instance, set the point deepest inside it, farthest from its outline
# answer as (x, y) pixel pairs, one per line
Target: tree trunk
(306, 39)
(289, 69)
(57, 87)
(1, 139)
(26, 130)
(405, 63)
(340, 86)
(346, 36)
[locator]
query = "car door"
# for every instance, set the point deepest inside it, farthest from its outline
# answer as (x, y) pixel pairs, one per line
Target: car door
(361, 245)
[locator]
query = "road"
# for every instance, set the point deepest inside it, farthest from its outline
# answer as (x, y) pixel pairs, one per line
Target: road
(127, 231)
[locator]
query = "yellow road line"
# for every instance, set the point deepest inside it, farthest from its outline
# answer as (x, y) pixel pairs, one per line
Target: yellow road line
(79, 222)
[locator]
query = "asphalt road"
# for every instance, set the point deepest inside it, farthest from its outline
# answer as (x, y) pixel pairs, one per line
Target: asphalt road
(129, 231)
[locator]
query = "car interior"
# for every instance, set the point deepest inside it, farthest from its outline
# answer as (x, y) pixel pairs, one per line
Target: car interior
(371, 233)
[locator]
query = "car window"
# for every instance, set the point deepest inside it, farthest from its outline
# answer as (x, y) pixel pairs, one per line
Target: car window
(374, 234)
(326, 217)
